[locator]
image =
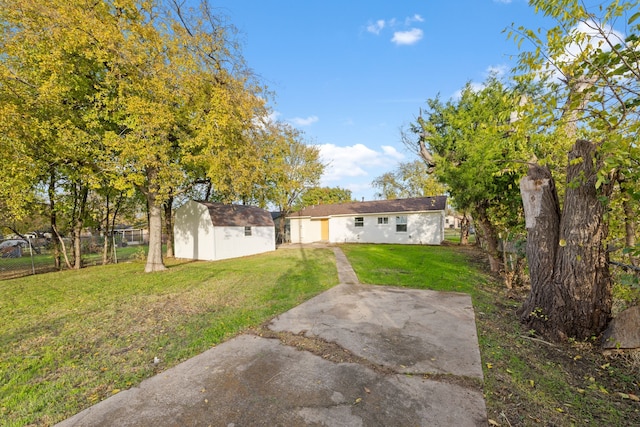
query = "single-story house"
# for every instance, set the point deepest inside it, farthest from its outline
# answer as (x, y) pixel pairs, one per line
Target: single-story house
(418, 221)
(214, 231)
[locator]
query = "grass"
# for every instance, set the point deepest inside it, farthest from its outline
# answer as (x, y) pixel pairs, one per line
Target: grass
(421, 267)
(72, 338)
(526, 380)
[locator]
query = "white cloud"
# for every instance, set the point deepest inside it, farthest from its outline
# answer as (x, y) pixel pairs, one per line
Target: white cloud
(497, 70)
(502, 1)
(405, 34)
(412, 36)
(273, 116)
(301, 121)
(354, 160)
(390, 151)
(415, 18)
(376, 27)
(474, 86)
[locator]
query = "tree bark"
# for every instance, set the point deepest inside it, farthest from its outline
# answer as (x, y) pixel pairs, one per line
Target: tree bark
(168, 226)
(78, 223)
(53, 220)
(154, 257)
(570, 297)
(465, 228)
(542, 220)
(490, 237)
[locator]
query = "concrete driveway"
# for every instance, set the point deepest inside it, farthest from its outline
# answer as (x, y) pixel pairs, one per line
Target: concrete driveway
(355, 355)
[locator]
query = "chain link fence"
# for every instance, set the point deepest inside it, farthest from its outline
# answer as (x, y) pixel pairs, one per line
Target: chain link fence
(23, 257)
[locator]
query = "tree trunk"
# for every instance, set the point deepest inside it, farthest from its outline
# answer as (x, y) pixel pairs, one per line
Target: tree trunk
(154, 257)
(78, 224)
(106, 244)
(282, 221)
(168, 226)
(491, 238)
(55, 237)
(572, 296)
(465, 228)
(542, 220)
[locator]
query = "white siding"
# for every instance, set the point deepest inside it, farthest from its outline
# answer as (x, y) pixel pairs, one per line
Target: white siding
(231, 242)
(196, 237)
(422, 229)
(306, 230)
(193, 232)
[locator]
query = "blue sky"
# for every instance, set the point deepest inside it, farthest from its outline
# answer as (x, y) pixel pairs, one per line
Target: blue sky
(351, 73)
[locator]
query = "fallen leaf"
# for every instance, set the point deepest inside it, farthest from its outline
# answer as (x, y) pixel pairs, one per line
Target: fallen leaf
(634, 397)
(493, 423)
(577, 357)
(358, 400)
(560, 410)
(489, 365)
(115, 390)
(366, 390)
(532, 383)
(623, 395)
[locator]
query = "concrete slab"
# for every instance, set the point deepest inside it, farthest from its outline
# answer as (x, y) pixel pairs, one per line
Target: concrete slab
(418, 365)
(408, 330)
(253, 381)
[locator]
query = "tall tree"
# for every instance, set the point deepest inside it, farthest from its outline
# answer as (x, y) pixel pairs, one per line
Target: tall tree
(410, 179)
(294, 167)
(323, 196)
(469, 146)
(591, 73)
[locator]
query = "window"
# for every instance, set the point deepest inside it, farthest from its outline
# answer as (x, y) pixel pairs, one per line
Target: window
(401, 224)
(247, 231)
(359, 221)
(383, 220)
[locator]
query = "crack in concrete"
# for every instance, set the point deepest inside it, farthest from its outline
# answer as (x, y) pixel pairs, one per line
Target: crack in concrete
(335, 353)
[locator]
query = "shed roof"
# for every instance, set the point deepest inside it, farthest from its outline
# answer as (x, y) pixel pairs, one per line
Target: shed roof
(223, 215)
(417, 204)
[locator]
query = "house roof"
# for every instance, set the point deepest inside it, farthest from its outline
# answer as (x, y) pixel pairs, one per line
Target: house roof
(223, 215)
(417, 204)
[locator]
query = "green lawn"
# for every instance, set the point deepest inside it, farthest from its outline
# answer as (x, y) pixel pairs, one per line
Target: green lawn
(72, 338)
(422, 267)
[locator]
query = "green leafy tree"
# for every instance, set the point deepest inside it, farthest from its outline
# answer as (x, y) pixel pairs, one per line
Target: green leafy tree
(469, 145)
(410, 179)
(323, 196)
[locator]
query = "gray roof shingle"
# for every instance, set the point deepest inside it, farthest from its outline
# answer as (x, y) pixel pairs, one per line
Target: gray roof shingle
(223, 215)
(417, 204)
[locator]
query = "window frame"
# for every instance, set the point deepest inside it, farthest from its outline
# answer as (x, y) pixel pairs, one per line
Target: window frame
(383, 220)
(401, 223)
(247, 231)
(358, 221)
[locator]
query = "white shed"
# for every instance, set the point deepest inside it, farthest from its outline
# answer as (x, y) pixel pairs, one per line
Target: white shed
(214, 231)
(418, 221)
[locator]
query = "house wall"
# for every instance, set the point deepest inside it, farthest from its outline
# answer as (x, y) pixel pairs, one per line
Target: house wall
(230, 242)
(422, 229)
(306, 230)
(193, 232)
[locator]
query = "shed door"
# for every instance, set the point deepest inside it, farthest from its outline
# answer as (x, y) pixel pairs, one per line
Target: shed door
(324, 229)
